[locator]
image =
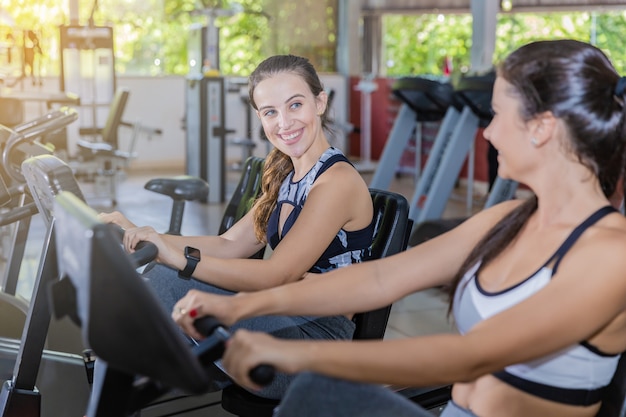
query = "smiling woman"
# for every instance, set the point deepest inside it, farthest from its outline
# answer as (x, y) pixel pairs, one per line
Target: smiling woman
(302, 215)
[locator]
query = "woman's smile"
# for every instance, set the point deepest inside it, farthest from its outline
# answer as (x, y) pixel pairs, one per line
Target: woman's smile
(291, 137)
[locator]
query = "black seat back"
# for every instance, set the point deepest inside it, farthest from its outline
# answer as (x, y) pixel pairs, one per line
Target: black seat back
(391, 230)
(614, 402)
(247, 191)
(114, 118)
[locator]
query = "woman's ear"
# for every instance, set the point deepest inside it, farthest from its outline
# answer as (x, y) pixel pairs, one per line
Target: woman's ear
(321, 101)
(544, 128)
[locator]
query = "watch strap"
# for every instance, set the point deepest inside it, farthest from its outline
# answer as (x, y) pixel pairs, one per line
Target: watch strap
(186, 273)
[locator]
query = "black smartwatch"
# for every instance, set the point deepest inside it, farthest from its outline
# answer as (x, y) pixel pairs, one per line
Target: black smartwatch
(193, 257)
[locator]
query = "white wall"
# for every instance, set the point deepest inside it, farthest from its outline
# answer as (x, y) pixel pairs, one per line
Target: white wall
(159, 102)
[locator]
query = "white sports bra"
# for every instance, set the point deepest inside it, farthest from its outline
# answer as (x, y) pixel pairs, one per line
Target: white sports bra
(576, 375)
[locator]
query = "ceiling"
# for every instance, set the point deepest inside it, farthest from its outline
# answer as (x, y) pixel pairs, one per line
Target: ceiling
(417, 6)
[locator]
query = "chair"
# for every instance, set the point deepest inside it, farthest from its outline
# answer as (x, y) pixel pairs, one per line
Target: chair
(103, 159)
(392, 228)
(108, 134)
(100, 159)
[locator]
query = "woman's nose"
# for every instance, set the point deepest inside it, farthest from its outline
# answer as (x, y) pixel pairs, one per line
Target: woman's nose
(284, 120)
(487, 132)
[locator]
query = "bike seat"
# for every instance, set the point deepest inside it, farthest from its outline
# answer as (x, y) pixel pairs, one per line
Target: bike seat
(182, 187)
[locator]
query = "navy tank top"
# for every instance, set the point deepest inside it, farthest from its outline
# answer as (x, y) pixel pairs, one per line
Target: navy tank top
(347, 247)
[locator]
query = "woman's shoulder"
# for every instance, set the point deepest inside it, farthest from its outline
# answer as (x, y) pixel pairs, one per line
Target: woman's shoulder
(498, 211)
(342, 174)
(611, 232)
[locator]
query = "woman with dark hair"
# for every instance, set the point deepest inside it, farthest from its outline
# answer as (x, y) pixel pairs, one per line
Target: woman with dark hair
(315, 212)
(537, 287)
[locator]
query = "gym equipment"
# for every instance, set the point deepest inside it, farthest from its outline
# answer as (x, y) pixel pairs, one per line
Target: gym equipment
(180, 189)
(46, 176)
(245, 193)
(186, 188)
(614, 402)
(122, 321)
(472, 96)
(205, 121)
(366, 86)
(246, 143)
(392, 231)
(423, 99)
(22, 139)
(21, 142)
(101, 159)
(21, 53)
(210, 327)
(50, 380)
(204, 115)
(88, 69)
(34, 384)
(390, 236)
(467, 107)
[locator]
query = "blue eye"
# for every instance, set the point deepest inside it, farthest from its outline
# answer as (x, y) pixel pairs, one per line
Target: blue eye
(269, 113)
(296, 105)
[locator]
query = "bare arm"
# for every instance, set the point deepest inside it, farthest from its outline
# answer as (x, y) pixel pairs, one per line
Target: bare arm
(224, 260)
(323, 215)
(578, 307)
(238, 241)
(356, 288)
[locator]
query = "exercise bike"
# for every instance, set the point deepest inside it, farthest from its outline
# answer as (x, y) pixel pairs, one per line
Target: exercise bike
(143, 354)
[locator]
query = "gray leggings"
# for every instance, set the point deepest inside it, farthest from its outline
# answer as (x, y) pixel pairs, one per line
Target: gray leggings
(455, 410)
(169, 289)
(313, 395)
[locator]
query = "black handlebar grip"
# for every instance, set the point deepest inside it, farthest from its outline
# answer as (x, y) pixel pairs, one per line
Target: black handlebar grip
(206, 325)
(262, 374)
(144, 253)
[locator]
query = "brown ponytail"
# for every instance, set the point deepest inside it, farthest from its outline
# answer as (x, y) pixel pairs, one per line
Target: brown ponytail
(277, 167)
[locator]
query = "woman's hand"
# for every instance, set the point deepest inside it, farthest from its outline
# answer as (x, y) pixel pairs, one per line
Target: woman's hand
(196, 304)
(168, 255)
(117, 218)
(246, 350)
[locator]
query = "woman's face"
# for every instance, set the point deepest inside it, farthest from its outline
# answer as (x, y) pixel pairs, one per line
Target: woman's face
(289, 112)
(507, 132)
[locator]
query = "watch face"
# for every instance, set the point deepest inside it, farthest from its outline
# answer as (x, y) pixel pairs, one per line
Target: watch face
(192, 253)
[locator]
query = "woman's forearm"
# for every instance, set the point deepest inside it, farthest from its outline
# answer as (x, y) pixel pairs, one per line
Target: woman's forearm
(429, 360)
(243, 274)
(344, 291)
